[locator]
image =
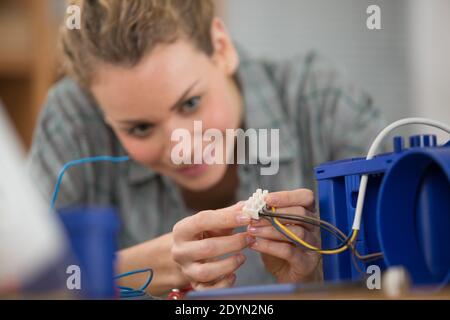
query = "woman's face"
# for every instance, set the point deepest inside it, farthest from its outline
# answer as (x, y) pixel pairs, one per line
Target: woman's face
(175, 85)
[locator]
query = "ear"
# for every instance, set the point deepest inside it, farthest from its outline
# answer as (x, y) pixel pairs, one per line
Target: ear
(225, 55)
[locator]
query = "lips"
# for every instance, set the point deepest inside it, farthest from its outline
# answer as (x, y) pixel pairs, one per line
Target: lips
(193, 170)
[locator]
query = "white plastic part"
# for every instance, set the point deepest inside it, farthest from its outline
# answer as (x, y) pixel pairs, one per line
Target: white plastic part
(372, 152)
(31, 237)
(255, 203)
(396, 282)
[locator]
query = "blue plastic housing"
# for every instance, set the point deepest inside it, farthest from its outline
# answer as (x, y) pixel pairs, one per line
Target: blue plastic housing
(406, 213)
(92, 232)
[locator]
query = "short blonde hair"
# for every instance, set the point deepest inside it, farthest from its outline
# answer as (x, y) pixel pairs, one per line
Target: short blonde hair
(122, 31)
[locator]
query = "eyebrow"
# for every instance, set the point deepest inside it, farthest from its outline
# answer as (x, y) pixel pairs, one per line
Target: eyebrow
(184, 95)
(174, 106)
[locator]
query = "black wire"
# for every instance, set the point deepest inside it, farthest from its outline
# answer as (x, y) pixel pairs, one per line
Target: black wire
(285, 234)
(344, 239)
(323, 225)
(337, 235)
(270, 218)
(305, 220)
(354, 251)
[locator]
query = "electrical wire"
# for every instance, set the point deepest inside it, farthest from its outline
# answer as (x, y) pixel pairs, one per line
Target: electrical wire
(73, 163)
(305, 244)
(355, 263)
(355, 254)
(318, 223)
(361, 192)
(127, 292)
(308, 220)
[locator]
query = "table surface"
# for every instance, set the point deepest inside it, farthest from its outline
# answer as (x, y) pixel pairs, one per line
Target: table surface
(344, 293)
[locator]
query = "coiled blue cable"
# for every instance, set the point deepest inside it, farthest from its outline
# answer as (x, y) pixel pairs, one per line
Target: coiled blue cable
(127, 292)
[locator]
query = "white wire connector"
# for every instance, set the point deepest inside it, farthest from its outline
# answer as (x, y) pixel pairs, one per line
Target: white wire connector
(255, 203)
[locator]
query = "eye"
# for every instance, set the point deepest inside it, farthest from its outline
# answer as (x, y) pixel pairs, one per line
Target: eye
(141, 130)
(191, 105)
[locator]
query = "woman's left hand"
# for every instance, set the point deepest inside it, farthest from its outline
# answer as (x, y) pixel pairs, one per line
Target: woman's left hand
(286, 261)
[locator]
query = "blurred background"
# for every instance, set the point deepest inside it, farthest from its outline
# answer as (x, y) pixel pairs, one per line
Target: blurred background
(405, 65)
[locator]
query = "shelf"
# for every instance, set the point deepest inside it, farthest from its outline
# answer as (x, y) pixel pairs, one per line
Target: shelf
(27, 59)
(16, 56)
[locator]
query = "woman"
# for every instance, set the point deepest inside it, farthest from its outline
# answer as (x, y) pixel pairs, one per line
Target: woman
(137, 71)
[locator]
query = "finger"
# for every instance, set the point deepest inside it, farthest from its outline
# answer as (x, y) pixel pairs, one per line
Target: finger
(226, 218)
(309, 237)
(271, 233)
(226, 282)
(211, 271)
(282, 250)
(218, 233)
(210, 247)
(298, 197)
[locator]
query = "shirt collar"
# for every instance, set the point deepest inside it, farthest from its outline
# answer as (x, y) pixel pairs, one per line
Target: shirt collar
(262, 110)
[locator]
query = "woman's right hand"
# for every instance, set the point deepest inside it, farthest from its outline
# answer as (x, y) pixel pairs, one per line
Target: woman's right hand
(200, 241)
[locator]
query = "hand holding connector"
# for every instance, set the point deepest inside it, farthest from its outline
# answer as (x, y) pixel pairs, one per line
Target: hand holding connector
(285, 260)
(206, 248)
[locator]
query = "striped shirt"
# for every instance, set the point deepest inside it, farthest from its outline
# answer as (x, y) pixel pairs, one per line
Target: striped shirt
(320, 117)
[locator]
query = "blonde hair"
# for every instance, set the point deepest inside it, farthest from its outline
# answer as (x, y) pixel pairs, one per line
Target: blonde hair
(121, 32)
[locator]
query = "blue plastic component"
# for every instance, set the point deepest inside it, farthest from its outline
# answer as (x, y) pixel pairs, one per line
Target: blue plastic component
(406, 212)
(92, 232)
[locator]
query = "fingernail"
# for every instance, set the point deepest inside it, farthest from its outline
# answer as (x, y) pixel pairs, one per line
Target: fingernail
(254, 244)
(254, 230)
(250, 240)
(240, 258)
(243, 219)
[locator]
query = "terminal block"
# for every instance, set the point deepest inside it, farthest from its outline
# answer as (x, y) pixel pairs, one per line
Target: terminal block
(255, 203)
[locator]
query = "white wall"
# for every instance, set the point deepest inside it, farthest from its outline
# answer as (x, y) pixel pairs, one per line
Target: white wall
(405, 66)
(430, 58)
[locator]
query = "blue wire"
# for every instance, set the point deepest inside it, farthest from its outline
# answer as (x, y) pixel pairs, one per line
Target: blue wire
(127, 292)
(70, 164)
